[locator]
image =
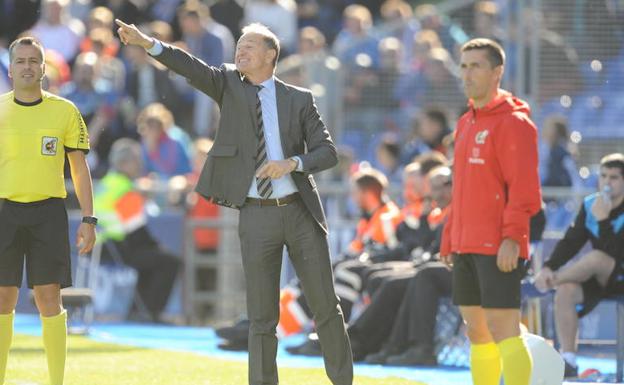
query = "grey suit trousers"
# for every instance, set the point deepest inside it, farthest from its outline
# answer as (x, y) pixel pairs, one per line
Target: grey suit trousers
(264, 230)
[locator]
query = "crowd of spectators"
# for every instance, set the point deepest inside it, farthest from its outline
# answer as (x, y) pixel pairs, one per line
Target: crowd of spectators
(376, 67)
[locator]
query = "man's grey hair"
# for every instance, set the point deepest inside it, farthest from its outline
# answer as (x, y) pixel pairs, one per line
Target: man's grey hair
(270, 39)
(124, 150)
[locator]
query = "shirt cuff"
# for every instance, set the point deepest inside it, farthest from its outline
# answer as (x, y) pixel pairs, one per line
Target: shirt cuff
(156, 49)
(299, 164)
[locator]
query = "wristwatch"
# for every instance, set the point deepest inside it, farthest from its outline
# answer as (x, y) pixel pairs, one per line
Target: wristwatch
(90, 220)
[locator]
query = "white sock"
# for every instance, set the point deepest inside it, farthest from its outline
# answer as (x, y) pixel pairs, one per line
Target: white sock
(569, 357)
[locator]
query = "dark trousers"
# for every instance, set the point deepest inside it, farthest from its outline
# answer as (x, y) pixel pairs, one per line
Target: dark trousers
(374, 325)
(263, 231)
(415, 322)
(157, 270)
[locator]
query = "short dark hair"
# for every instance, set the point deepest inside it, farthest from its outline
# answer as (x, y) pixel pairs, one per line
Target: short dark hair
(370, 179)
(615, 160)
(437, 115)
(26, 40)
(195, 9)
(495, 53)
(392, 146)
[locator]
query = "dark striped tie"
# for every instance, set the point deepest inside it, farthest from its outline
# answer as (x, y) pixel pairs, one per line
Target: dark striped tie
(265, 187)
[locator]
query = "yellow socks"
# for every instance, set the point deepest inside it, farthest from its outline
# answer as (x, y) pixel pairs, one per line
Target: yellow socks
(55, 344)
(517, 362)
(6, 336)
(485, 364)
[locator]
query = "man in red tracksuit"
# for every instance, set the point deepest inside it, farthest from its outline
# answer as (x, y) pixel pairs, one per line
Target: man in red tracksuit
(495, 192)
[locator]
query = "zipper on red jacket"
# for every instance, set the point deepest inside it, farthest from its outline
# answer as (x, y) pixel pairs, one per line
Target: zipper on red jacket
(473, 121)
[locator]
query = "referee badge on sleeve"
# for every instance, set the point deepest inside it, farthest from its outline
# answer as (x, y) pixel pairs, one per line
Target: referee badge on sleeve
(48, 145)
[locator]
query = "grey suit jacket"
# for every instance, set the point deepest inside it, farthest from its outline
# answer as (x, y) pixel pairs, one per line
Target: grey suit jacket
(230, 167)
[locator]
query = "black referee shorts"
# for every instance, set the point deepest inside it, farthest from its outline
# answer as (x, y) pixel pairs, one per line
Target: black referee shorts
(477, 281)
(37, 231)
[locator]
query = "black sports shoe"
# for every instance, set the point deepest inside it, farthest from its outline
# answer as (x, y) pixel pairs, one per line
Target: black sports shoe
(570, 371)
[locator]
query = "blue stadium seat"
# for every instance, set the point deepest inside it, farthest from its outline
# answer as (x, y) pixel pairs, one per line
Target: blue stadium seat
(551, 107)
(592, 79)
(585, 114)
(614, 79)
(355, 140)
(613, 117)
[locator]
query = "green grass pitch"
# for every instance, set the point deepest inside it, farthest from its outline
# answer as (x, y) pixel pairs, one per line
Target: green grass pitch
(95, 363)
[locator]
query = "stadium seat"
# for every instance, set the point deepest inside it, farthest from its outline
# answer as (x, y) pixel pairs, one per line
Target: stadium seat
(356, 140)
(613, 117)
(551, 107)
(592, 79)
(79, 299)
(584, 112)
(614, 80)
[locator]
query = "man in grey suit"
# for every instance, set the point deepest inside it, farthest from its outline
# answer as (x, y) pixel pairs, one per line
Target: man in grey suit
(270, 139)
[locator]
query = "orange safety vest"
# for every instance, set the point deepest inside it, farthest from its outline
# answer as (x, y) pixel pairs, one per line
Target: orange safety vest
(379, 228)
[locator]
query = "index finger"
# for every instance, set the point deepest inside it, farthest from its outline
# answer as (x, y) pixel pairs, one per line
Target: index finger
(122, 24)
(262, 171)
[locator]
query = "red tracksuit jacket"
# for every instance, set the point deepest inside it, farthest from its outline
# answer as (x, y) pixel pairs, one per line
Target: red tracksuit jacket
(495, 178)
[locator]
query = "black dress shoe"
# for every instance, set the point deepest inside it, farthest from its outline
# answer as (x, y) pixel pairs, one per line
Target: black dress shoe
(310, 348)
(570, 370)
(381, 356)
(237, 332)
(233, 346)
(414, 356)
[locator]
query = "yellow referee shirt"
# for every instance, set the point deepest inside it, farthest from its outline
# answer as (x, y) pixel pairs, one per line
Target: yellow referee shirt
(33, 141)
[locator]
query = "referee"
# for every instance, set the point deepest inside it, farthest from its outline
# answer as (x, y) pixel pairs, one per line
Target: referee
(37, 129)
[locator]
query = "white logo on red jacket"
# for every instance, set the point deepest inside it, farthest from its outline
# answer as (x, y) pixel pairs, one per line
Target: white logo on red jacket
(480, 137)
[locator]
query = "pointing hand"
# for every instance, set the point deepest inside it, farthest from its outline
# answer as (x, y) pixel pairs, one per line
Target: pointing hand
(130, 35)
